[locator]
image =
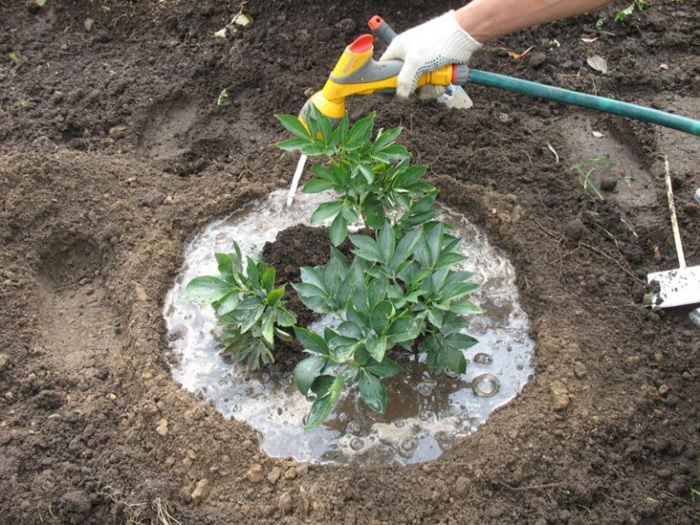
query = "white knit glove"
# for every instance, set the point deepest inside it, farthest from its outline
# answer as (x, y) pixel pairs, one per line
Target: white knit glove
(427, 47)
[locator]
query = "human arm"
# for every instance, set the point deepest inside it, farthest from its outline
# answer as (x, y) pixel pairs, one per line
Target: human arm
(485, 20)
(456, 35)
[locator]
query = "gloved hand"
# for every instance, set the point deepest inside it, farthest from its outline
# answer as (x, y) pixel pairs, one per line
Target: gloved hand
(427, 47)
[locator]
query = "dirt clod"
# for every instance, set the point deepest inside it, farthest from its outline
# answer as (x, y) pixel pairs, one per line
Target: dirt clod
(560, 397)
(201, 491)
(4, 361)
(162, 428)
(49, 399)
(255, 474)
(274, 475)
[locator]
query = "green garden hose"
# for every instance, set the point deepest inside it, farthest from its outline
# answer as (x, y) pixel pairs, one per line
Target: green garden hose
(607, 105)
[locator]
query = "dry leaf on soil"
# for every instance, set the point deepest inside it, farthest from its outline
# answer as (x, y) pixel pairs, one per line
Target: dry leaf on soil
(518, 56)
(598, 63)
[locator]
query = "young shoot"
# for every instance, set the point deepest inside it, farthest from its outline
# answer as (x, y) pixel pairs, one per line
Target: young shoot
(585, 172)
(249, 307)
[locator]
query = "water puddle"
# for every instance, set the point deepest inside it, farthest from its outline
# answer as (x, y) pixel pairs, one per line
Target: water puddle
(427, 413)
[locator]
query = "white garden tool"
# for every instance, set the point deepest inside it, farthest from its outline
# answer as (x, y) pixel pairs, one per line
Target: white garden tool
(675, 287)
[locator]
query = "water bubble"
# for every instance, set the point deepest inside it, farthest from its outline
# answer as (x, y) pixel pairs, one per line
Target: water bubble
(485, 385)
(483, 359)
(399, 423)
(353, 427)
(426, 415)
(409, 445)
(425, 388)
(356, 444)
(450, 373)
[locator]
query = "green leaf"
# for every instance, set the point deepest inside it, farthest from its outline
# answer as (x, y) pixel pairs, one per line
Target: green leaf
(294, 126)
(350, 213)
(384, 138)
(350, 329)
(374, 212)
(464, 307)
(339, 230)
(402, 329)
(206, 289)
(249, 310)
(360, 132)
(377, 290)
(325, 211)
(323, 405)
(275, 295)
(225, 263)
(268, 327)
(460, 341)
(324, 126)
(435, 316)
(453, 323)
(294, 144)
(252, 271)
(373, 392)
(366, 248)
(359, 299)
(285, 317)
(268, 279)
(376, 346)
(313, 150)
(404, 248)
(316, 186)
(320, 410)
(307, 370)
(312, 276)
(366, 172)
(311, 341)
(435, 242)
(386, 242)
(343, 126)
(387, 368)
(284, 336)
(343, 348)
(362, 357)
(449, 259)
(314, 298)
(440, 355)
(228, 303)
(409, 176)
(395, 152)
(357, 317)
(381, 316)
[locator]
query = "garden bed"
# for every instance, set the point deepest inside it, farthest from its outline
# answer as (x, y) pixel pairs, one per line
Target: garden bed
(114, 152)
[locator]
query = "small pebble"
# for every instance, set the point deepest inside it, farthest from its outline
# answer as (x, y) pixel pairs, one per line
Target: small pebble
(201, 491)
(162, 428)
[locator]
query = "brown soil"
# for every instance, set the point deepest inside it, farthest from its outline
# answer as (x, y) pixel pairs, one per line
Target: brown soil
(113, 152)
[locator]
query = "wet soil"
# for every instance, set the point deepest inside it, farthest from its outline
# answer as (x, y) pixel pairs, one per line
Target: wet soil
(114, 151)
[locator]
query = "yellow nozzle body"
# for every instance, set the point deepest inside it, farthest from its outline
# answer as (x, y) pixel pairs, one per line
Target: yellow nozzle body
(357, 73)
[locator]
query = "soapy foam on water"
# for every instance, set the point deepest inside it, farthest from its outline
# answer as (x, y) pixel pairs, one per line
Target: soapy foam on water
(420, 422)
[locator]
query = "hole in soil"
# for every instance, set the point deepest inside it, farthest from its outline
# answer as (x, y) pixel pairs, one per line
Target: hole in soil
(68, 258)
(427, 413)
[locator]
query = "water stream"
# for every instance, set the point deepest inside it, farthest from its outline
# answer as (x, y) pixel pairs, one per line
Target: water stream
(427, 413)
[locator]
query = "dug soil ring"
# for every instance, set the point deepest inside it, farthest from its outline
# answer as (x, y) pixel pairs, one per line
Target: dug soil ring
(427, 413)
